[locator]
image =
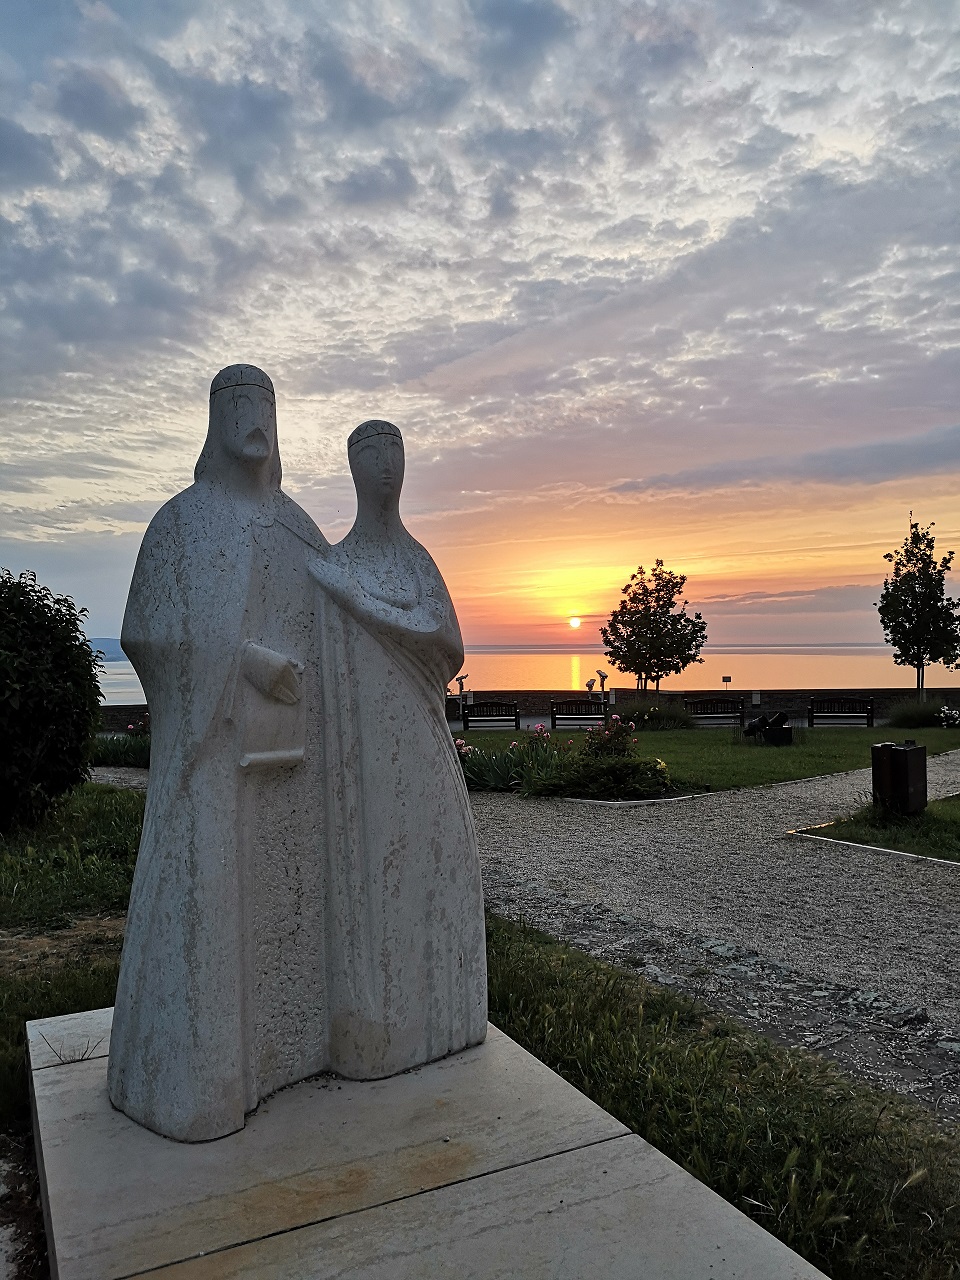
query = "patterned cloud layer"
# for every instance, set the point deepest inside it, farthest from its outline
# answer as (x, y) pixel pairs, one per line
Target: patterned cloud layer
(630, 276)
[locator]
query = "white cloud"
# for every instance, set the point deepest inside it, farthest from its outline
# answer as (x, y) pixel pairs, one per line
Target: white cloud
(611, 240)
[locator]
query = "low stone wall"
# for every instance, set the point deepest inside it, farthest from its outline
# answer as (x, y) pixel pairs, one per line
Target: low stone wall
(116, 717)
(536, 702)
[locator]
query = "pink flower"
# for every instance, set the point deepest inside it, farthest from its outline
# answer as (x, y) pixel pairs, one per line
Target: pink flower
(614, 717)
(634, 739)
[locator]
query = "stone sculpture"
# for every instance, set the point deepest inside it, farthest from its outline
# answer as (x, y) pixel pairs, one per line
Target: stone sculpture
(307, 892)
(407, 975)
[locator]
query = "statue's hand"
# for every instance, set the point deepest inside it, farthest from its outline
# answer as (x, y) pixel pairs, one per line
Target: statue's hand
(286, 687)
(273, 674)
(331, 577)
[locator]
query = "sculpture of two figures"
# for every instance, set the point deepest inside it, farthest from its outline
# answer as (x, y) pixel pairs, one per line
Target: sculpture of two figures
(307, 895)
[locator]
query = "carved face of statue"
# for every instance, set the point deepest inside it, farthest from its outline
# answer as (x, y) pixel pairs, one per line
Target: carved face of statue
(246, 418)
(377, 466)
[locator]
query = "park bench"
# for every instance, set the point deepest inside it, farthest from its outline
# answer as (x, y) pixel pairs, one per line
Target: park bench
(716, 710)
(840, 708)
(577, 711)
(495, 715)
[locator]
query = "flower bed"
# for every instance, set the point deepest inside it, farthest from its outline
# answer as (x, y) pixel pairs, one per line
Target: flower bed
(605, 767)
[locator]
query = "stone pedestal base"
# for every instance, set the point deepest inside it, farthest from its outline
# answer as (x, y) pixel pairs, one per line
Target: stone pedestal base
(483, 1165)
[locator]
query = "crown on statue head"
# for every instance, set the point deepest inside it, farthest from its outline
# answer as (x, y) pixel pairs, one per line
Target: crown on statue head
(240, 375)
(373, 428)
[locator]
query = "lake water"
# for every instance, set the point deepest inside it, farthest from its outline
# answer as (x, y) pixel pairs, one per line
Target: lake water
(558, 669)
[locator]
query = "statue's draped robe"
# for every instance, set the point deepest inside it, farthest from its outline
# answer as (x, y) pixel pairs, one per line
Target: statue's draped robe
(405, 931)
(222, 991)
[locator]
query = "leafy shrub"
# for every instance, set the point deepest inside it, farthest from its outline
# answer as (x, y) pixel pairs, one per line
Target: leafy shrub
(617, 778)
(49, 697)
(603, 769)
(615, 738)
(911, 714)
(663, 718)
(657, 716)
(488, 770)
(527, 765)
(121, 751)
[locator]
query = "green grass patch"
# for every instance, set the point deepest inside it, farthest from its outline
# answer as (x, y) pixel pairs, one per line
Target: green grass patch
(859, 1182)
(718, 759)
(79, 859)
(935, 833)
(42, 994)
(120, 751)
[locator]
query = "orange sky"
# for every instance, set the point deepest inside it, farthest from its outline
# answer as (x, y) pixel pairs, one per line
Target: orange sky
(518, 571)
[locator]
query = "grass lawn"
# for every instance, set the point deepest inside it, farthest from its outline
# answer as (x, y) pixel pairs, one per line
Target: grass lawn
(935, 833)
(718, 759)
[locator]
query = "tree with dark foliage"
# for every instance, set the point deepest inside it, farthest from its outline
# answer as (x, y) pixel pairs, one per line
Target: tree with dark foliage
(919, 619)
(650, 634)
(49, 698)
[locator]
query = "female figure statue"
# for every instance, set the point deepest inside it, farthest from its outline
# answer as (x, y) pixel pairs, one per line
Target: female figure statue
(221, 997)
(406, 968)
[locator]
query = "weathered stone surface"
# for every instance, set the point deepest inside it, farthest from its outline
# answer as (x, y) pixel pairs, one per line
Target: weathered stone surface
(307, 894)
(618, 1210)
(406, 945)
(121, 1199)
(484, 1164)
(222, 995)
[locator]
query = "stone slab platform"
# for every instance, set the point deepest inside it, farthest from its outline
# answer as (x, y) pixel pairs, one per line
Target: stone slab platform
(483, 1165)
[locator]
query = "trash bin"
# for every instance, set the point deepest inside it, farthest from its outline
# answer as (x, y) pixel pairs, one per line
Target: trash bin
(899, 776)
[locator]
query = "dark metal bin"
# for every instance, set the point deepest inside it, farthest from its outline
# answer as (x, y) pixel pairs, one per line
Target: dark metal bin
(899, 776)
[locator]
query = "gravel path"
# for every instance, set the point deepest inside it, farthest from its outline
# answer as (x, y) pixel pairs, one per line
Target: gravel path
(849, 952)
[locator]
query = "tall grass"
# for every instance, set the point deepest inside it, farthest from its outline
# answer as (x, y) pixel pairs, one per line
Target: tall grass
(80, 858)
(120, 751)
(860, 1183)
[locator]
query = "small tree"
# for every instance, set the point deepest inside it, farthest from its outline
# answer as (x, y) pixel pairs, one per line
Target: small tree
(650, 634)
(919, 619)
(49, 697)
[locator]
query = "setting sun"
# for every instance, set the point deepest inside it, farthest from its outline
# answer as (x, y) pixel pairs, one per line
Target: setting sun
(574, 622)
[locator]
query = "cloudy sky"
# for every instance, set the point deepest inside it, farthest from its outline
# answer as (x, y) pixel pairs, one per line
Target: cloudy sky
(635, 280)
